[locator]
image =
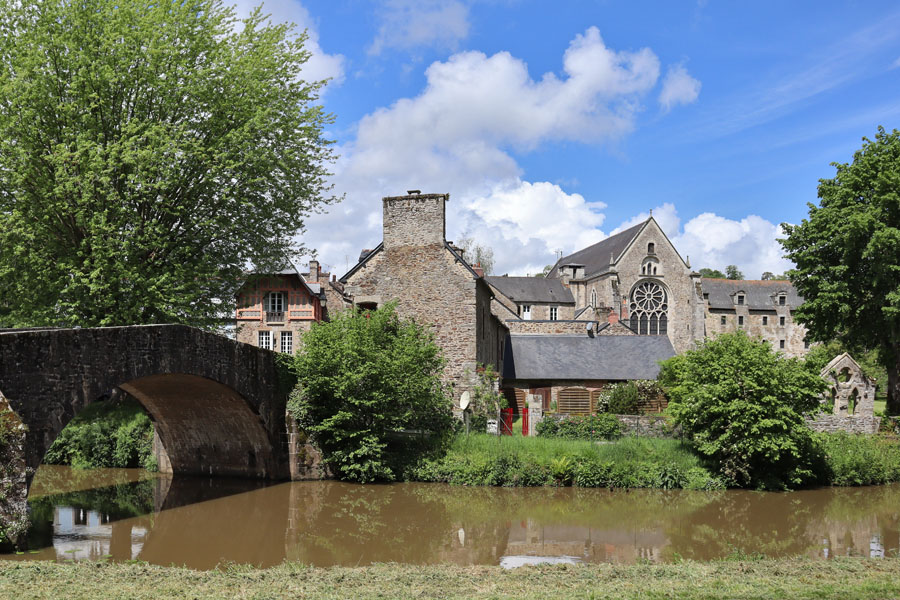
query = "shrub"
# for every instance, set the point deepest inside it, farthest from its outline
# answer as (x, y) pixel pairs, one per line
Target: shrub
(623, 399)
(370, 394)
(113, 433)
(589, 427)
(13, 518)
(860, 459)
(744, 407)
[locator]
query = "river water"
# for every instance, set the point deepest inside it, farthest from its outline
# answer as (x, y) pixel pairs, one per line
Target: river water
(124, 514)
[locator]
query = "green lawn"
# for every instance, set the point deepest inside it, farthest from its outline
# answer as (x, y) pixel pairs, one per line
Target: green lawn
(841, 578)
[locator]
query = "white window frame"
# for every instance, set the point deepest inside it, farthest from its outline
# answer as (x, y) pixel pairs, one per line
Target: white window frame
(526, 312)
(264, 339)
(287, 342)
(554, 313)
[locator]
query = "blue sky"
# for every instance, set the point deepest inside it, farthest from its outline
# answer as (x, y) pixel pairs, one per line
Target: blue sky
(553, 125)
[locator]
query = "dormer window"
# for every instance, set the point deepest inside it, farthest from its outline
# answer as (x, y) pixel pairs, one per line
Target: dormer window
(782, 299)
(740, 299)
(651, 248)
(274, 302)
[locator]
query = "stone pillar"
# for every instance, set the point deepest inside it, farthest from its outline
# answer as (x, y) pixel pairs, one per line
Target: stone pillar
(535, 404)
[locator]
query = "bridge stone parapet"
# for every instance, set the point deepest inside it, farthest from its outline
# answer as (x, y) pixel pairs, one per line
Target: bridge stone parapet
(216, 403)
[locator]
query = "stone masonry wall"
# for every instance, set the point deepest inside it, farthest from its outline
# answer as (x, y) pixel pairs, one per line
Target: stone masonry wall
(549, 327)
(833, 423)
(430, 287)
(414, 220)
(793, 334)
(648, 426)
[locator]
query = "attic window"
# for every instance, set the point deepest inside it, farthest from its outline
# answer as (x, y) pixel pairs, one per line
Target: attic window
(651, 248)
(706, 295)
(740, 299)
(782, 299)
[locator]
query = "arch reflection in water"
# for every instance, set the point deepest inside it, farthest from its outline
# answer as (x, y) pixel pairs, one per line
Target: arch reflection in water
(201, 523)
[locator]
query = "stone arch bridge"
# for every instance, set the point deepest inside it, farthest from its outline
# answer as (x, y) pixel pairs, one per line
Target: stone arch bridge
(217, 404)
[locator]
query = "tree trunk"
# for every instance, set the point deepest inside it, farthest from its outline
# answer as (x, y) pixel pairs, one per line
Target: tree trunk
(893, 390)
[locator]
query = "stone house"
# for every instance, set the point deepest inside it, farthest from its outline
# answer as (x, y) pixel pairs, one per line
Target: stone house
(431, 282)
(274, 309)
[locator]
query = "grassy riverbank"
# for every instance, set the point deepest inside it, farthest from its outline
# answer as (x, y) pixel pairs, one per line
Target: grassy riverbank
(480, 459)
(791, 578)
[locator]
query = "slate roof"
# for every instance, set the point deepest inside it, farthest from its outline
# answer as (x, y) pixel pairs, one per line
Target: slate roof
(605, 357)
(596, 258)
(532, 289)
(757, 294)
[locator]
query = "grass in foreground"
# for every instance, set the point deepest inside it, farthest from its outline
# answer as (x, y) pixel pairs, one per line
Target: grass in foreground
(790, 578)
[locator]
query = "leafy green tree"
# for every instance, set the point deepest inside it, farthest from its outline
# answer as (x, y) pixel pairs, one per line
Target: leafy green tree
(149, 153)
(712, 273)
(546, 271)
(370, 394)
(744, 406)
(732, 272)
(848, 257)
(477, 254)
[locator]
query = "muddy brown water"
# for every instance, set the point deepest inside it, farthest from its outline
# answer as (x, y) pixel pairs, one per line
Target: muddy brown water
(123, 514)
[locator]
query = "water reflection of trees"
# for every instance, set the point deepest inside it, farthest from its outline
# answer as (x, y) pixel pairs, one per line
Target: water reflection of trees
(336, 523)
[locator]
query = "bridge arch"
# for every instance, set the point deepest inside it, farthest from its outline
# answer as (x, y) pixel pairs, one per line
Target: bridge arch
(217, 403)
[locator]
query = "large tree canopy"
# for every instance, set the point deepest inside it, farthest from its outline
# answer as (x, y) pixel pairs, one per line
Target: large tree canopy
(149, 153)
(848, 256)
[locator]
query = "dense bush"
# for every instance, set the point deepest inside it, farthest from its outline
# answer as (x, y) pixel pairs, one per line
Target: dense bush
(628, 463)
(626, 398)
(370, 394)
(594, 427)
(744, 406)
(860, 459)
(623, 399)
(115, 433)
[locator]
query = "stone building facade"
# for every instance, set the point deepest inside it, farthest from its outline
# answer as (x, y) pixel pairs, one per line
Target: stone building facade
(431, 283)
(274, 310)
(638, 279)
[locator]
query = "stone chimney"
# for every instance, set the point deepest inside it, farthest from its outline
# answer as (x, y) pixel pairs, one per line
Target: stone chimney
(314, 271)
(414, 220)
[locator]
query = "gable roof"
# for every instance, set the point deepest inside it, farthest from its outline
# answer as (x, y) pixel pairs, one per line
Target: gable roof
(532, 289)
(596, 258)
(758, 294)
(579, 357)
(364, 257)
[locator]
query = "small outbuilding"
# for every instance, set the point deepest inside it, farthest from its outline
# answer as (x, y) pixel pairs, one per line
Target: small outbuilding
(570, 371)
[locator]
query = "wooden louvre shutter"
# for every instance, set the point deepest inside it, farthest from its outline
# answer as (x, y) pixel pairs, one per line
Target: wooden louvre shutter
(574, 401)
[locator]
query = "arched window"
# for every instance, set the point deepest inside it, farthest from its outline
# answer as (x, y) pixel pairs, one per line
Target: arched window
(649, 309)
(651, 248)
(593, 298)
(651, 267)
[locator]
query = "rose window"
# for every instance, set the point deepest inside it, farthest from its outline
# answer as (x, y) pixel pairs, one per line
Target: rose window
(649, 309)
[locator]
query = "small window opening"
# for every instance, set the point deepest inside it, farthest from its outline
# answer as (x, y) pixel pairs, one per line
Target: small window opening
(553, 313)
(740, 321)
(654, 270)
(740, 299)
(367, 305)
(782, 300)
(781, 344)
(806, 344)
(706, 295)
(781, 321)
(722, 320)
(765, 320)
(651, 248)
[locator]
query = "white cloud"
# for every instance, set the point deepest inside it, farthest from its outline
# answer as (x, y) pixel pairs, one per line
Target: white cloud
(751, 244)
(320, 64)
(678, 88)
(455, 136)
(408, 24)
